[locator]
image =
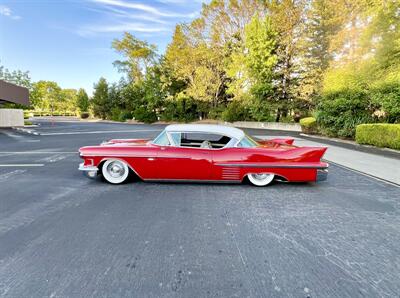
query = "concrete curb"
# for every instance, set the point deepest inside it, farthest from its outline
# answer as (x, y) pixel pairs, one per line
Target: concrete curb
(353, 145)
(26, 131)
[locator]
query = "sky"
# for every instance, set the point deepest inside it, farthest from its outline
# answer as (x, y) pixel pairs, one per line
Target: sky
(69, 41)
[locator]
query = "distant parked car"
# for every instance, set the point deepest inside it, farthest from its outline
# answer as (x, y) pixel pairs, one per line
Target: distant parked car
(208, 153)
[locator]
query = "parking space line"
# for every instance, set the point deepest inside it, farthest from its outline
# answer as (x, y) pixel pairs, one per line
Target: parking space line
(96, 132)
(22, 165)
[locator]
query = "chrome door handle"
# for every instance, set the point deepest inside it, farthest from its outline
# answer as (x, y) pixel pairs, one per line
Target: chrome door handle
(150, 158)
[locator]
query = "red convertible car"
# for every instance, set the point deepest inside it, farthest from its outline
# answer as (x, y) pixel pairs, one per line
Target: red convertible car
(189, 152)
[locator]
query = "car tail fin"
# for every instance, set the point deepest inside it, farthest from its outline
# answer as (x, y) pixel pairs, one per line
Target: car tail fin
(312, 154)
(285, 141)
(319, 152)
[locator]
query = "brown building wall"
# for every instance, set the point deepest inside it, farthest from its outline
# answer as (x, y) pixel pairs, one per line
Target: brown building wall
(13, 93)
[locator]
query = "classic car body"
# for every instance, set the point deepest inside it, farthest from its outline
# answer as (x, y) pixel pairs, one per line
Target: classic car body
(189, 152)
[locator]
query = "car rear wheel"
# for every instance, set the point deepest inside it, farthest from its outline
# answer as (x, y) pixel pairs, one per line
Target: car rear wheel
(261, 179)
(115, 171)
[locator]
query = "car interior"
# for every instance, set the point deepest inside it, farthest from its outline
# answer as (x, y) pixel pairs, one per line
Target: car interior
(200, 140)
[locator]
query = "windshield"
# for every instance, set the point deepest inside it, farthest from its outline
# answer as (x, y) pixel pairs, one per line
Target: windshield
(162, 139)
(247, 142)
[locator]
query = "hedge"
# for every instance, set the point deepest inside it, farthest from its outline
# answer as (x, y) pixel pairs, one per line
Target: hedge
(84, 115)
(379, 134)
(308, 125)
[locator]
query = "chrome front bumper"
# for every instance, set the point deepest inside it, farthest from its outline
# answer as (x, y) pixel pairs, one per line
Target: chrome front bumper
(322, 175)
(88, 171)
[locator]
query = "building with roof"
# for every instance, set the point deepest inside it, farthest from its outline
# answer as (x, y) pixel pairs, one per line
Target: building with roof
(11, 93)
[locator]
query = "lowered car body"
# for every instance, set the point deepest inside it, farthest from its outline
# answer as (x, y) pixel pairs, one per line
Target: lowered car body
(188, 152)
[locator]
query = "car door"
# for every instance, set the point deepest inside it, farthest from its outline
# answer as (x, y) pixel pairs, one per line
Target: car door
(181, 163)
(226, 163)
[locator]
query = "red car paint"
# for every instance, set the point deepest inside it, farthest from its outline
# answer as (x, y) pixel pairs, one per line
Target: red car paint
(153, 162)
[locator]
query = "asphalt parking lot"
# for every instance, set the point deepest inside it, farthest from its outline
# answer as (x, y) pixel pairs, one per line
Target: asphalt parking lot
(63, 235)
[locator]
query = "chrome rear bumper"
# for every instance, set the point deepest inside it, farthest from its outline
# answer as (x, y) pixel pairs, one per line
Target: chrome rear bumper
(322, 175)
(88, 171)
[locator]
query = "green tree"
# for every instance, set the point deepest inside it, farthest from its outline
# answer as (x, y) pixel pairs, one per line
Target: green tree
(323, 21)
(288, 19)
(251, 70)
(68, 101)
(82, 101)
(18, 77)
(139, 56)
(46, 96)
(260, 45)
(100, 100)
(196, 63)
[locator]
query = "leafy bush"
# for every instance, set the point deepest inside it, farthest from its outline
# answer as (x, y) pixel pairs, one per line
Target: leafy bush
(84, 115)
(387, 98)
(182, 109)
(339, 113)
(236, 111)
(143, 114)
(28, 123)
(309, 125)
(120, 115)
(260, 110)
(216, 112)
(380, 134)
(27, 114)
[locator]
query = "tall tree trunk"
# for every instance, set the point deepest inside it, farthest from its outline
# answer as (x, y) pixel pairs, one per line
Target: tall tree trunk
(278, 115)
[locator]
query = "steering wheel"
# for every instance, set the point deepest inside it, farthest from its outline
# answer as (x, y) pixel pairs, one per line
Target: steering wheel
(206, 144)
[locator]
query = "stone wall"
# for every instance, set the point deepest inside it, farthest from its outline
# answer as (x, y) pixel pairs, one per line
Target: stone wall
(267, 125)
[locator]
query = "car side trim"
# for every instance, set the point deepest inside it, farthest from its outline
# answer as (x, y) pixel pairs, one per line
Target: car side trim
(123, 160)
(192, 180)
(270, 165)
(133, 156)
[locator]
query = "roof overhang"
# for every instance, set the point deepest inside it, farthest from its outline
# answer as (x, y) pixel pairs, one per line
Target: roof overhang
(229, 131)
(13, 93)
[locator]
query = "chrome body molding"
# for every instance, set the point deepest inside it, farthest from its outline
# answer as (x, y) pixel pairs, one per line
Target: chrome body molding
(129, 166)
(192, 181)
(270, 166)
(322, 174)
(131, 156)
(82, 167)
(89, 171)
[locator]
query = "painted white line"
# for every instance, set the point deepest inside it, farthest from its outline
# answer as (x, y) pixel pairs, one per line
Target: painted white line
(53, 158)
(23, 165)
(5, 176)
(95, 132)
(12, 135)
(25, 130)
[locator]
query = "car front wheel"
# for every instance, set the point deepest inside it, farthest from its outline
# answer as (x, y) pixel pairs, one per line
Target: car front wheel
(261, 179)
(115, 171)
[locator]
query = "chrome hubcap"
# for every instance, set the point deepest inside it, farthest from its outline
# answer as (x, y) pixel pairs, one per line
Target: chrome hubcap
(260, 176)
(115, 169)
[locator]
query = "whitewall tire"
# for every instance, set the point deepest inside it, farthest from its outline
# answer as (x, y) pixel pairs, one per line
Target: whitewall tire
(115, 171)
(261, 179)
